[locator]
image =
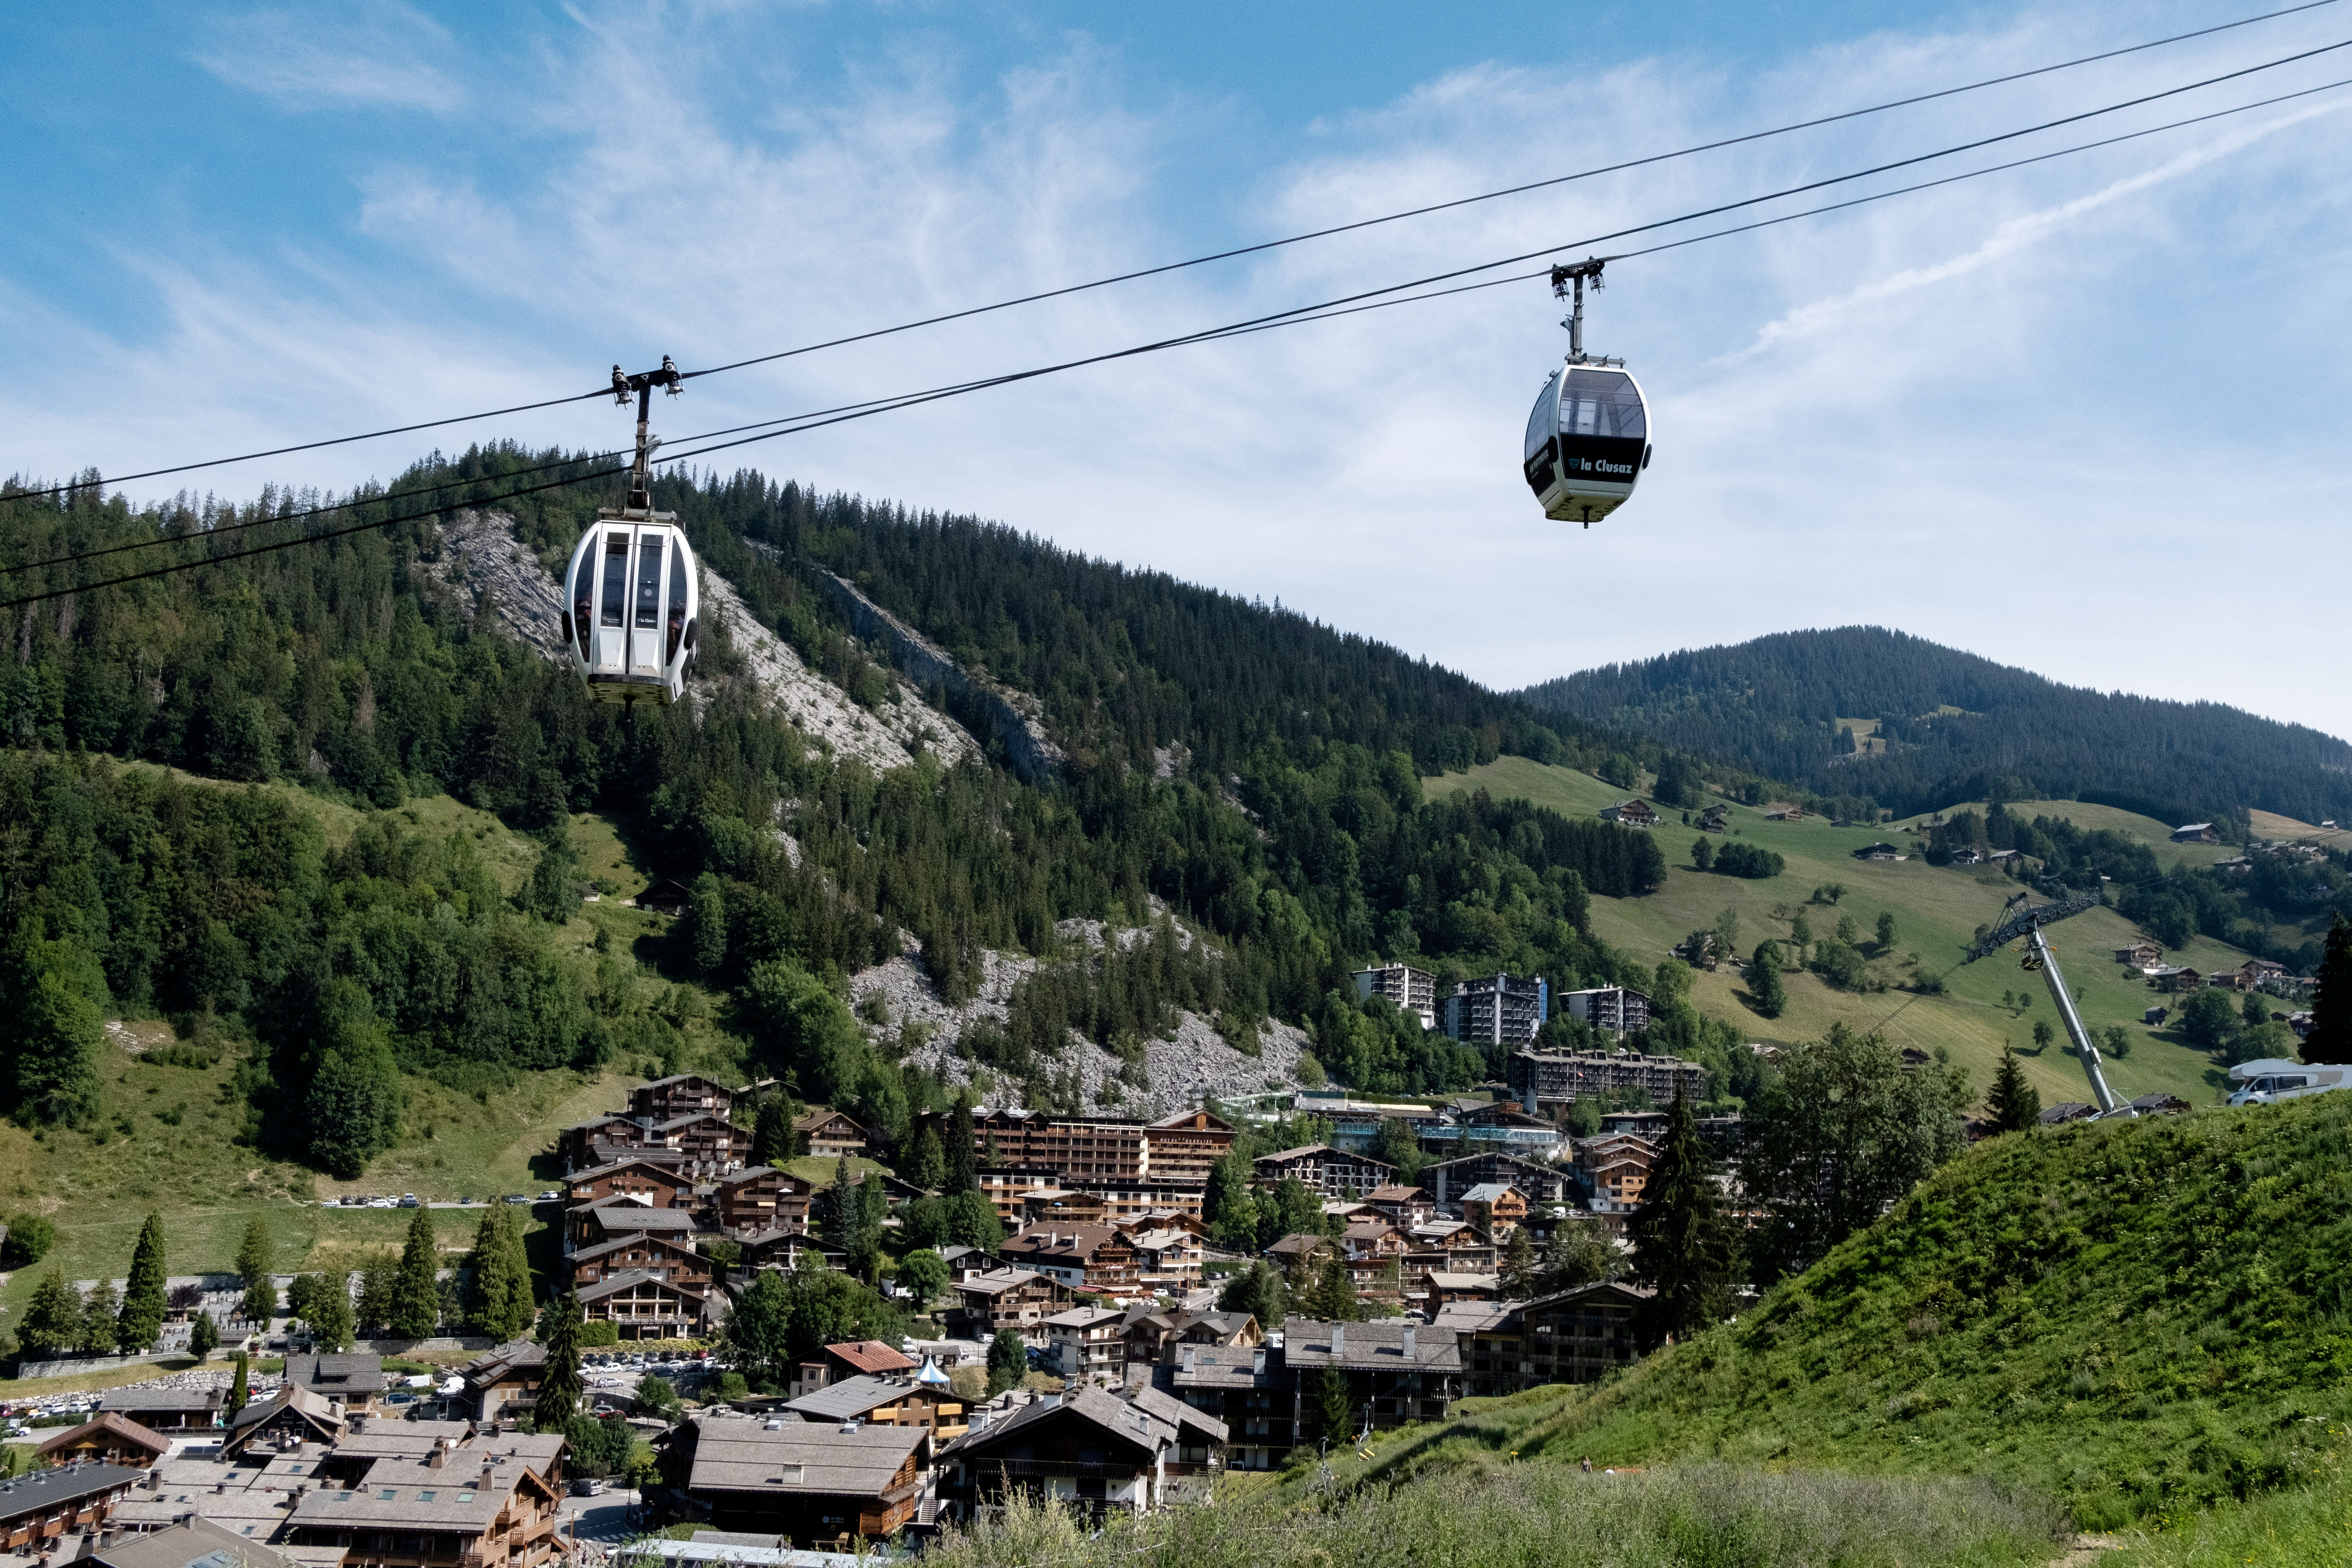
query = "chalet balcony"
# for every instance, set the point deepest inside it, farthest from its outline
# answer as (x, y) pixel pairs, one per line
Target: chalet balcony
(1054, 1469)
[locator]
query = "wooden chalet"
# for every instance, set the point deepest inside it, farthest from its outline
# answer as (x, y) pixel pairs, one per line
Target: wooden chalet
(807, 1483)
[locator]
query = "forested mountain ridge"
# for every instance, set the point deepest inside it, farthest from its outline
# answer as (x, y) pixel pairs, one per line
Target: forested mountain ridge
(1776, 705)
(1257, 777)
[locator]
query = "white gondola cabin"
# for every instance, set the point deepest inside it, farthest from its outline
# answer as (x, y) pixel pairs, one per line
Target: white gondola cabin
(1588, 442)
(633, 608)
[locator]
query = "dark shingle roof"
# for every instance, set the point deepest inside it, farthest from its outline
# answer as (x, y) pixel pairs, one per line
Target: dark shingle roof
(734, 1455)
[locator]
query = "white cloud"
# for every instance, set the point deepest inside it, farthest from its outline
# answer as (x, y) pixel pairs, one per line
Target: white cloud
(380, 55)
(1993, 413)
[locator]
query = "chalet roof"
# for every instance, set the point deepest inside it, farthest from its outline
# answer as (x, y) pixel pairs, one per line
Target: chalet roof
(853, 1398)
(1228, 1366)
(1086, 1317)
(732, 1455)
(623, 1214)
(1367, 1347)
(1142, 1434)
(357, 1373)
(2067, 1110)
(629, 1279)
(678, 1078)
(1298, 1244)
(177, 1399)
(197, 1543)
(411, 1494)
(871, 1356)
(1489, 1284)
(1192, 1120)
(996, 1282)
(1166, 1407)
(519, 1358)
(1370, 1231)
(817, 1119)
(315, 1407)
(1491, 1193)
(1077, 1244)
(1160, 1240)
(1630, 1295)
(1299, 1154)
(109, 1423)
(590, 1175)
(1395, 1193)
(399, 1439)
(39, 1492)
(752, 1173)
(601, 1249)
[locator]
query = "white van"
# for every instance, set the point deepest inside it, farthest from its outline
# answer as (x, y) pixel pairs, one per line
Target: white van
(2272, 1079)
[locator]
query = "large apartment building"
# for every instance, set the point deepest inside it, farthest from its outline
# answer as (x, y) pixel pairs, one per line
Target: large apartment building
(1547, 1081)
(1612, 1008)
(1077, 1149)
(1496, 1010)
(1412, 990)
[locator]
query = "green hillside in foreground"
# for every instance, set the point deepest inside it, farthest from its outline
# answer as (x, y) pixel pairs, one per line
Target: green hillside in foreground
(2141, 1319)
(1936, 911)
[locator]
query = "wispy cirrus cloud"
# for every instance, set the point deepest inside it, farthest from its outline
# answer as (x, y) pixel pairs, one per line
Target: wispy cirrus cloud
(376, 55)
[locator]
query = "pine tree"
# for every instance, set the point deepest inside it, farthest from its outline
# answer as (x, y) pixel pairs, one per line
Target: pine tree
(1330, 1295)
(498, 1292)
(962, 1151)
(929, 1168)
(327, 1308)
(559, 1386)
(203, 1337)
(1684, 1245)
(1328, 1409)
(2330, 1039)
(1769, 996)
(772, 1132)
(377, 1276)
(253, 1259)
(52, 1324)
(1518, 1270)
(1008, 1361)
(416, 1307)
(240, 1389)
(142, 1319)
(2014, 1103)
(100, 1324)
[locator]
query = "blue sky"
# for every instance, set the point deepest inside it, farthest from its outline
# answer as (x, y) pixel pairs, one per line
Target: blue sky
(2086, 418)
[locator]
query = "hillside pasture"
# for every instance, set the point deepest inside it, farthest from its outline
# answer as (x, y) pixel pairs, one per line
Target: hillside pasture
(1936, 912)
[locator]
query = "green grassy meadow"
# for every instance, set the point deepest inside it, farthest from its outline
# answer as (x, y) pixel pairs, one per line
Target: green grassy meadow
(1936, 911)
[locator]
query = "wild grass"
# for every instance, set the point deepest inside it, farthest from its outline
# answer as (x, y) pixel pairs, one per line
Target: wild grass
(2142, 1319)
(2288, 1529)
(1523, 1516)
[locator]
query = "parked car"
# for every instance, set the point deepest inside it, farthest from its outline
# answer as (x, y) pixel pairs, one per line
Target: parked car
(518, 1197)
(549, 1196)
(408, 1200)
(588, 1485)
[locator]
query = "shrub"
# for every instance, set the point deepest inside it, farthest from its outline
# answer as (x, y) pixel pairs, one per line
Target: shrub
(1739, 859)
(31, 1237)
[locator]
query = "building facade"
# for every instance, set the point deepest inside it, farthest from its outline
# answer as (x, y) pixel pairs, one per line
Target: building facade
(1496, 1011)
(1410, 990)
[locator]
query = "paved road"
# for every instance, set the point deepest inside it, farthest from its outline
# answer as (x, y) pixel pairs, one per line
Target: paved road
(605, 1519)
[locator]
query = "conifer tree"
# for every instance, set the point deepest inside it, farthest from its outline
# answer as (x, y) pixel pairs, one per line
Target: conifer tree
(101, 1326)
(327, 1308)
(772, 1131)
(498, 1292)
(2015, 1104)
(1764, 983)
(253, 1266)
(1684, 1245)
(1328, 1406)
(52, 1324)
(415, 1307)
(559, 1386)
(1518, 1270)
(203, 1337)
(2330, 1039)
(929, 1168)
(240, 1389)
(962, 1151)
(142, 1319)
(376, 1277)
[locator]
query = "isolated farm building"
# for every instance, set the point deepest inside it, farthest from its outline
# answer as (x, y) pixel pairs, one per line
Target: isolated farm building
(1630, 813)
(2196, 833)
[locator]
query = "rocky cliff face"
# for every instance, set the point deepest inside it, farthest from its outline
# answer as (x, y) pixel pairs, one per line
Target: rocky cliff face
(1016, 718)
(482, 559)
